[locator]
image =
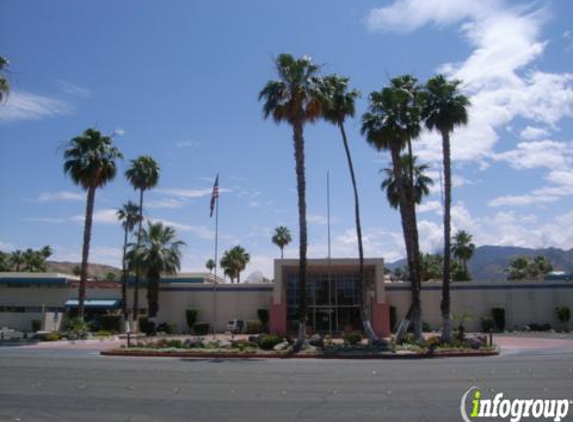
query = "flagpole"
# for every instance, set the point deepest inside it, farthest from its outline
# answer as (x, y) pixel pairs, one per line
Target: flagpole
(216, 264)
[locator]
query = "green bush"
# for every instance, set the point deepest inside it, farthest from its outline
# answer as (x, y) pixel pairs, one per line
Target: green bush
(264, 316)
(498, 315)
(201, 328)
(426, 327)
(75, 328)
(52, 336)
(167, 328)
(268, 341)
(191, 317)
(146, 326)
(352, 338)
(393, 318)
(36, 325)
(111, 323)
(103, 333)
(254, 327)
(563, 313)
(487, 324)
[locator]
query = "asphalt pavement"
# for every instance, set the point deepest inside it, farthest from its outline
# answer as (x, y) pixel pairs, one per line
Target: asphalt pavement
(80, 385)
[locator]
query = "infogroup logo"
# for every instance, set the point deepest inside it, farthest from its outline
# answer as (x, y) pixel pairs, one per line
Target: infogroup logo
(514, 409)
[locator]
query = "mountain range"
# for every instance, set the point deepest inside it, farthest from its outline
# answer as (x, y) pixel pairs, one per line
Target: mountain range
(488, 262)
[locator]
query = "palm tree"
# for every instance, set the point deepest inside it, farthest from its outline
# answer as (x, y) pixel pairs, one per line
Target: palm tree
(157, 252)
(463, 248)
(129, 217)
(4, 84)
(142, 175)
(210, 265)
(295, 99)
(89, 160)
(422, 182)
(282, 238)
(338, 104)
(234, 261)
(16, 260)
(390, 123)
(444, 109)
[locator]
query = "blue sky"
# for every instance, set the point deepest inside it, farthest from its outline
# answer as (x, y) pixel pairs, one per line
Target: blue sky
(179, 81)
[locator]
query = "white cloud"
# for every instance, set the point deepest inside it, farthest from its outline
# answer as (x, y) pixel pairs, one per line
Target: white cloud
(536, 154)
(166, 203)
(73, 89)
(190, 193)
(318, 219)
(531, 133)
(118, 132)
(429, 206)
(105, 216)
(23, 105)
(60, 196)
(47, 220)
(200, 231)
(498, 74)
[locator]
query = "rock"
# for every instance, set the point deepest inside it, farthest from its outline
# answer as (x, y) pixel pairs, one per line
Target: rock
(253, 339)
(316, 340)
(475, 343)
(224, 343)
(281, 346)
(193, 343)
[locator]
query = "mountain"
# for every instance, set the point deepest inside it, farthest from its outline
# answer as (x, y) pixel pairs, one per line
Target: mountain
(98, 271)
(489, 262)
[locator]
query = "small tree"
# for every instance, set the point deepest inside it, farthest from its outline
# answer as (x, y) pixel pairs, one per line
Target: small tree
(564, 315)
(191, 317)
(264, 317)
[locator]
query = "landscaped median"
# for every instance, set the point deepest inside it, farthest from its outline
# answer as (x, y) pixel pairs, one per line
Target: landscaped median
(275, 347)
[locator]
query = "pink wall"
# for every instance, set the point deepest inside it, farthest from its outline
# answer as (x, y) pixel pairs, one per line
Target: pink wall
(278, 320)
(381, 319)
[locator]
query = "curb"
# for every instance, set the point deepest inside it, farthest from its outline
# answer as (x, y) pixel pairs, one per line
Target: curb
(390, 356)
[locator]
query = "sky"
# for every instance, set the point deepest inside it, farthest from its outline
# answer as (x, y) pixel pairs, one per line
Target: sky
(179, 81)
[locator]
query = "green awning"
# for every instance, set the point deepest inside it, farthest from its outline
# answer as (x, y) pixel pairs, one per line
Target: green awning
(95, 303)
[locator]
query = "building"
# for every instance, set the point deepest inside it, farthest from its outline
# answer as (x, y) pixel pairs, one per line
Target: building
(333, 294)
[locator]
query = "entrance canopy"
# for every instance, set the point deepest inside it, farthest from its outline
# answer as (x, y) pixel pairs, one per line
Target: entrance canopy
(95, 303)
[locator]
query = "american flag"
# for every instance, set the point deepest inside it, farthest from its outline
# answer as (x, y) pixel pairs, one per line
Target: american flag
(214, 195)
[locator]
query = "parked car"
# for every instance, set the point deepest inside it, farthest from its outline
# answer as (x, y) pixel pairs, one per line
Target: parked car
(236, 326)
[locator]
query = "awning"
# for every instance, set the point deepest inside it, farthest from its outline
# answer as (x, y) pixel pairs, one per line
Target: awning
(95, 303)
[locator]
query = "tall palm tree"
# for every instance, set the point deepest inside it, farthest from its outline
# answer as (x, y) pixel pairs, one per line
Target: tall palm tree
(338, 104)
(158, 252)
(390, 123)
(210, 265)
(444, 109)
(463, 248)
(129, 217)
(4, 84)
(142, 175)
(422, 182)
(294, 98)
(282, 238)
(89, 160)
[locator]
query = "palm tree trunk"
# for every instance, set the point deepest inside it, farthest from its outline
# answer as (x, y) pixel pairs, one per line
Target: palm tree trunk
(124, 277)
(410, 229)
(446, 322)
(366, 308)
(153, 295)
(86, 250)
(137, 270)
(301, 189)
(282, 255)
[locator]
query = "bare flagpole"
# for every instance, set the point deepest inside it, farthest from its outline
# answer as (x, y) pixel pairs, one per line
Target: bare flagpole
(215, 197)
(330, 310)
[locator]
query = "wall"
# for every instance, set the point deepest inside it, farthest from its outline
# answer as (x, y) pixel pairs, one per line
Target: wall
(231, 301)
(524, 302)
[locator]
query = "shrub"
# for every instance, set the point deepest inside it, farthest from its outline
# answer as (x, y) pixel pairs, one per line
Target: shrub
(36, 325)
(254, 327)
(563, 313)
(111, 323)
(498, 315)
(103, 333)
(264, 316)
(167, 328)
(539, 327)
(191, 317)
(201, 328)
(393, 318)
(52, 336)
(146, 326)
(352, 338)
(426, 327)
(75, 328)
(487, 324)
(268, 341)
(433, 342)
